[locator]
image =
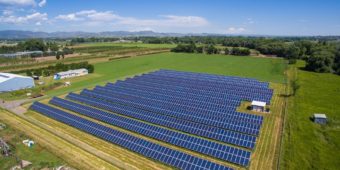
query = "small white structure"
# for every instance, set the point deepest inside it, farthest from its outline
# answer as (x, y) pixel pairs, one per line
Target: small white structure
(67, 83)
(12, 82)
(258, 106)
(28, 142)
(320, 118)
(71, 73)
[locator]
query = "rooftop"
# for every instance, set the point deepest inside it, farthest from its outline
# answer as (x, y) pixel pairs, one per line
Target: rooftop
(319, 115)
(258, 103)
(7, 76)
(72, 71)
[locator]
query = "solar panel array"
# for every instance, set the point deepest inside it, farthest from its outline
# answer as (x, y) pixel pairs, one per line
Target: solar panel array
(169, 156)
(217, 150)
(194, 111)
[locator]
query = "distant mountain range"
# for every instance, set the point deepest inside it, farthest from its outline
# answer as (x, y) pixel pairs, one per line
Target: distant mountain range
(16, 34)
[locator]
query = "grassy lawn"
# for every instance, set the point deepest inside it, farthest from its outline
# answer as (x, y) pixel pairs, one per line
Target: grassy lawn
(266, 69)
(39, 156)
(308, 145)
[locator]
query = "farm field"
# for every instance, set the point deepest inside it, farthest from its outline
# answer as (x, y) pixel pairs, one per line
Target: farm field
(141, 45)
(308, 145)
(42, 158)
(91, 53)
(268, 143)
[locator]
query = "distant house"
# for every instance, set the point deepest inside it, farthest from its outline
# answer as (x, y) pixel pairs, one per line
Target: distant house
(70, 73)
(258, 106)
(320, 118)
(12, 82)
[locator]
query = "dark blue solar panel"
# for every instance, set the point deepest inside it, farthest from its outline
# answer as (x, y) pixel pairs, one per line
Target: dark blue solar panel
(171, 122)
(193, 143)
(146, 148)
(162, 108)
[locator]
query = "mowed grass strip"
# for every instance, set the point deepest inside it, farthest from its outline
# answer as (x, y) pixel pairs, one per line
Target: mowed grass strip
(70, 153)
(308, 145)
(266, 152)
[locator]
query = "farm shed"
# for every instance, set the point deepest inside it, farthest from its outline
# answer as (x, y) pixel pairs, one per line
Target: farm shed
(21, 54)
(320, 118)
(258, 106)
(12, 82)
(71, 73)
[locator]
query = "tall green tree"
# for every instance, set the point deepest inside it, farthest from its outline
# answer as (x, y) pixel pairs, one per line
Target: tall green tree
(320, 61)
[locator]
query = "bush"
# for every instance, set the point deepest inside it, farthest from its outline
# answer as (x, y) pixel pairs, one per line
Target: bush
(191, 48)
(210, 49)
(291, 61)
(52, 69)
(240, 51)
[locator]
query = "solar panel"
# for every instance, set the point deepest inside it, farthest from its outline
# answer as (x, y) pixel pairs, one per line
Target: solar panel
(171, 122)
(162, 108)
(185, 101)
(186, 141)
(184, 109)
(141, 146)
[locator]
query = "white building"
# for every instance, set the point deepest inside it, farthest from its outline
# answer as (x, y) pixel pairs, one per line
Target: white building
(12, 82)
(320, 118)
(258, 106)
(70, 73)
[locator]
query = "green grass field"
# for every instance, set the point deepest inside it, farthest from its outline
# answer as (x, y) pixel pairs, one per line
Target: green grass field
(265, 69)
(39, 156)
(308, 145)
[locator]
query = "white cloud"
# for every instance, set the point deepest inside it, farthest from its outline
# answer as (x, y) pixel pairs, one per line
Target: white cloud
(234, 30)
(97, 17)
(103, 16)
(69, 17)
(42, 3)
(35, 17)
(18, 2)
(7, 12)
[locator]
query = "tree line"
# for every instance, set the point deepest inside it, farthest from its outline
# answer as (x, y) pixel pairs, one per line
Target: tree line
(53, 69)
(210, 49)
(49, 48)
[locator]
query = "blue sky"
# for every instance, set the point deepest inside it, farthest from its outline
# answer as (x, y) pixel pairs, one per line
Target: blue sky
(244, 17)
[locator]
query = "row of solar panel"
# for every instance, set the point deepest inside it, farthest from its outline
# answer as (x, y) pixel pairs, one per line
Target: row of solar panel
(257, 84)
(202, 108)
(252, 129)
(164, 99)
(193, 86)
(235, 85)
(209, 77)
(225, 89)
(195, 97)
(203, 101)
(200, 145)
(175, 107)
(175, 87)
(217, 134)
(155, 151)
